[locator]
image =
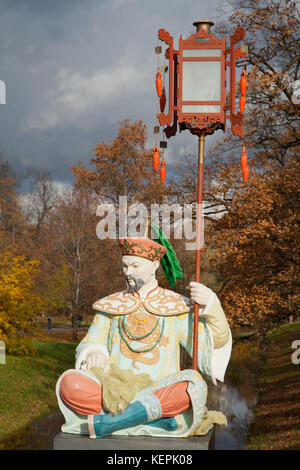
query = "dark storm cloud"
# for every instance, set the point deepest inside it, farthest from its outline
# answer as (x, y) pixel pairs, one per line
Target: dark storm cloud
(73, 69)
(43, 9)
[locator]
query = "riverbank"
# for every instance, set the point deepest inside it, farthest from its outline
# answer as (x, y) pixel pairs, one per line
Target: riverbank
(27, 387)
(277, 415)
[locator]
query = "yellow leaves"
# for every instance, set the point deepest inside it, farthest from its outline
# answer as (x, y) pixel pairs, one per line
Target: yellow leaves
(18, 304)
(56, 290)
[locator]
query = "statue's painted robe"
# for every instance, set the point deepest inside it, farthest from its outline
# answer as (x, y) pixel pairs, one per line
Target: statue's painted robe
(172, 321)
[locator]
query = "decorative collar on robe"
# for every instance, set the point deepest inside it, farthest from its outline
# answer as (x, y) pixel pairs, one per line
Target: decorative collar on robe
(155, 300)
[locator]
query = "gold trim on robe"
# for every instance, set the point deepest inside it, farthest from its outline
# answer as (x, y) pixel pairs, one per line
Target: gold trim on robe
(162, 302)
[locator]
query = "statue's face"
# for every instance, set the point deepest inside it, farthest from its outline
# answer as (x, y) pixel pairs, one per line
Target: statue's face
(143, 270)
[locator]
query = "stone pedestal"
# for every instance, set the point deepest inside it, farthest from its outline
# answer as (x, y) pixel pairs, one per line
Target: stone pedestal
(64, 441)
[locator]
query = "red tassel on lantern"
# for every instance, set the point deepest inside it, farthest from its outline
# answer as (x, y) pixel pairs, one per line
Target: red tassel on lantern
(156, 159)
(158, 83)
(243, 83)
(163, 172)
(244, 165)
(163, 100)
(244, 162)
(242, 103)
(245, 173)
(243, 87)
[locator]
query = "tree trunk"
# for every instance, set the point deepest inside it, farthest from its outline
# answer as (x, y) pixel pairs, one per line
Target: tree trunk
(77, 290)
(75, 316)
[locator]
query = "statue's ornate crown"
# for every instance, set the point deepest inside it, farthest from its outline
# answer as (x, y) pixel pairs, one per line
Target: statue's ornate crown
(142, 247)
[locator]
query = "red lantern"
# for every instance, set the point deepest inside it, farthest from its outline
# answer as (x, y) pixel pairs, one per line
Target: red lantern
(158, 83)
(163, 100)
(244, 162)
(163, 172)
(156, 159)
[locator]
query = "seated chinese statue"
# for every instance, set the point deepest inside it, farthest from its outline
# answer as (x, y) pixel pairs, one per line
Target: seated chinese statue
(127, 378)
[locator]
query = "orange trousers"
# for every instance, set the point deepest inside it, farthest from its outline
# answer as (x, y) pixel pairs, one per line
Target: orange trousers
(84, 396)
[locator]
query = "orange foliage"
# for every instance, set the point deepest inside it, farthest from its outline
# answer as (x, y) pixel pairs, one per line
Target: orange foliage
(255, 247)
(122, 167)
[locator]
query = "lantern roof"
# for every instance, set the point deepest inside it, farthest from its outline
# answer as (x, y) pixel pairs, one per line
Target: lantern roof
(203, 23)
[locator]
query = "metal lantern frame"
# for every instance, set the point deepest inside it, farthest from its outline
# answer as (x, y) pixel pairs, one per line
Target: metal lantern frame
(197, 122)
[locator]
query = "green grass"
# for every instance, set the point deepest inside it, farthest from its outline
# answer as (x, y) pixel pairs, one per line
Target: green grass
(27, 384)
(288, 327)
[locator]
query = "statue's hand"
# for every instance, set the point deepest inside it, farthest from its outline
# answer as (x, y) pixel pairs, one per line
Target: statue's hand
(200, 293)
(97, 359)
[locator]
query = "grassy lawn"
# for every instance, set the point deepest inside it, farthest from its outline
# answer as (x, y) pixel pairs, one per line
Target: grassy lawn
(277, 421)
(27, 384)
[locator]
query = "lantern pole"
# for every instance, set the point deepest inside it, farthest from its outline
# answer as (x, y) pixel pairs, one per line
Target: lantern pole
(201, 141)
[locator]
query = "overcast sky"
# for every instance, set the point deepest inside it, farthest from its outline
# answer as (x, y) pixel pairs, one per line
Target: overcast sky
(74, 68)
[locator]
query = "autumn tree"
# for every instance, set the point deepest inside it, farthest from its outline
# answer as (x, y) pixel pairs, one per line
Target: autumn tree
(19, 302)
(36, 241)
(122, 167)
(87, 260)
(256, 249)
(272, 64)
(41, 199)
(260, 225)
(12, 220)
(253, 228)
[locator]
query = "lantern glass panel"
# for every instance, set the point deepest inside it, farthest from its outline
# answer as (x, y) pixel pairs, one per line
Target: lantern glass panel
(201, 108)
(201, 53)
(201, 80)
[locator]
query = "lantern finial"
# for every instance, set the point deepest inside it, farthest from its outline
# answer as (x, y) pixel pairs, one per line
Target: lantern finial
(203, 23)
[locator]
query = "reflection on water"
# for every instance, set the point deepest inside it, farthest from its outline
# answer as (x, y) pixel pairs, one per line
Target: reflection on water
(36, 436)
(236, 398)
(238, 411)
